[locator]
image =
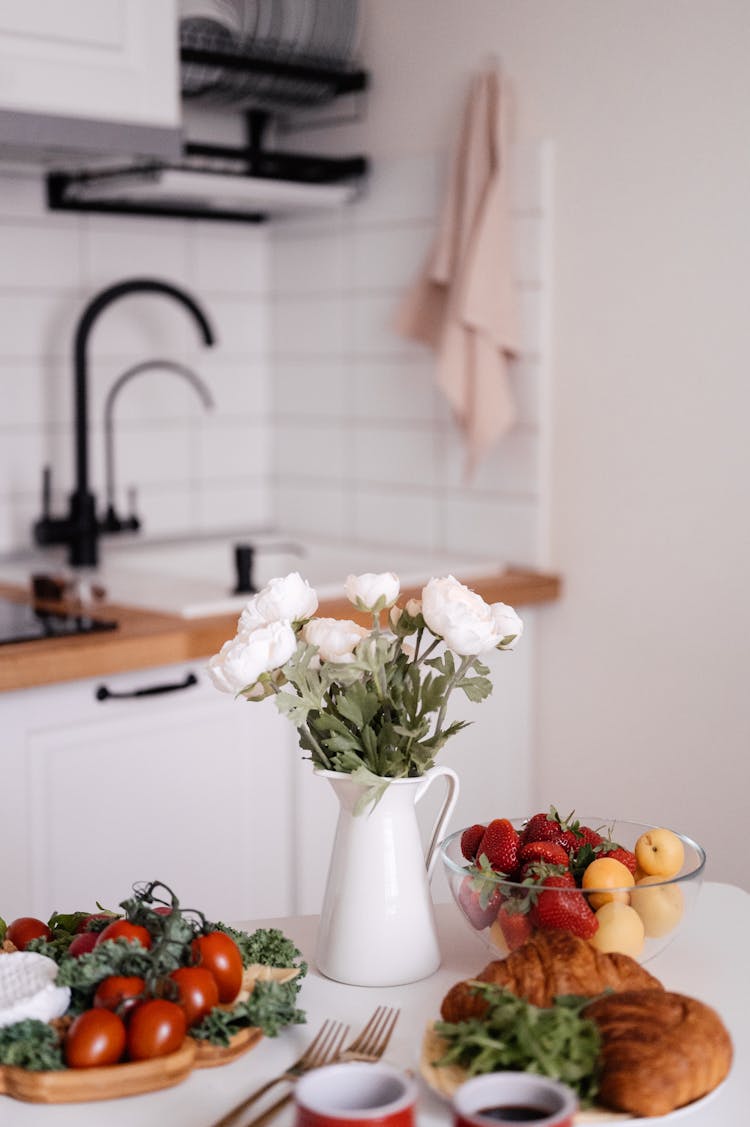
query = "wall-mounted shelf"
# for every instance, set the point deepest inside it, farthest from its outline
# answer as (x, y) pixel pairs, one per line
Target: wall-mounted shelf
(247, 183)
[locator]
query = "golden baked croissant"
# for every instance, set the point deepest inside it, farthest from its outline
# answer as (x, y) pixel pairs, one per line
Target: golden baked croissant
(549, 963)
(659, 1050)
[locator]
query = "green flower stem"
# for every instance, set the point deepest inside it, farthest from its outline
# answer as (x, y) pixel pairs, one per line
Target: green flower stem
(312, 738)
(432, 646)
(465, 663)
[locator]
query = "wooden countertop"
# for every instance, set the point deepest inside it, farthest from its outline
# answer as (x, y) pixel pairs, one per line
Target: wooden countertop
(145, 638)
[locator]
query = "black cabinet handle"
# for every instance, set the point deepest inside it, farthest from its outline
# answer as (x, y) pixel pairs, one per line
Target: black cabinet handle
(103, 693)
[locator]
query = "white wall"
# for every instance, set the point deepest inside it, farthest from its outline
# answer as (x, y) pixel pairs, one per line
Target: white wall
(193, 469)
(643, 710)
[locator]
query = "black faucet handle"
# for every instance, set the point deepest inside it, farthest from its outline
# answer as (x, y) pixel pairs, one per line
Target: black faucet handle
(243, 561)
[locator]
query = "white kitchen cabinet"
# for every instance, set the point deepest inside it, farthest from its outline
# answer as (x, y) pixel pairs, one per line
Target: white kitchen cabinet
(90, 75)
(181, 787)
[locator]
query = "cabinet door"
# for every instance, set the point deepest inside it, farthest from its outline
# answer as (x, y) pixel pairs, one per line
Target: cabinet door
(94, 74)
(189, 788)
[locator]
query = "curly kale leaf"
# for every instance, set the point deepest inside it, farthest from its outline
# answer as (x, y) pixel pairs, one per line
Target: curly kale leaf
(268, 946)
(270, 1007)
(115, 956)
(31, 1044)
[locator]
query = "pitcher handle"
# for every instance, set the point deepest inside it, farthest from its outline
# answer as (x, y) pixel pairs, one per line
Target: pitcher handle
(449, 803)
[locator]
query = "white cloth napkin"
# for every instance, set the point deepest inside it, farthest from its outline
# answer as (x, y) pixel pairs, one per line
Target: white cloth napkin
(464, 303)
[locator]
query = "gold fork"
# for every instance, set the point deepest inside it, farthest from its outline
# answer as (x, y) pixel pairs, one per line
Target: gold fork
(323, 1049)
(368, 1046)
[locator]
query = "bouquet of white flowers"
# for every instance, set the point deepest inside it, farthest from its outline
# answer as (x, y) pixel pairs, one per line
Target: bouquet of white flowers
(369, 702)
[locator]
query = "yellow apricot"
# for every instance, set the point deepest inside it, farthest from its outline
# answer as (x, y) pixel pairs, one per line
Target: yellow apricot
(659, 853)
(660, 907)
(607, 873)
(620, 929)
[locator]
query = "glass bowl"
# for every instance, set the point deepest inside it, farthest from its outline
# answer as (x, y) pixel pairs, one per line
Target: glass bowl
(504, 911)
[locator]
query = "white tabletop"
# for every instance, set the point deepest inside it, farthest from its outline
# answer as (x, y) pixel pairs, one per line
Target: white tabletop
(707, 960)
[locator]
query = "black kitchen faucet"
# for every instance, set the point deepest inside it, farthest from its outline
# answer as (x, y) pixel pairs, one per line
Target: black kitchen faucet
(81, 528)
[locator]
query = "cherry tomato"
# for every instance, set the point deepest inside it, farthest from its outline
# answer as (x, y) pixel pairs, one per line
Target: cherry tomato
(198, 992)
(220, 954)
(123, 929)
(156, 1028)
(26, 928)
(83, 943)
(96, 1037)
(119, 992)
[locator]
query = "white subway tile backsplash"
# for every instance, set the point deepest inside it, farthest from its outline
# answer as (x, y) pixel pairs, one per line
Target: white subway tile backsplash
(22, 196)
(509, 469)
(372, 331)
(532, 306)
(23, 452)
(37, 323)
(529, 249)
(312, 265)
(388, 257)
(312, 508)
(398, 391)
(231, 258)
(240, 387)
(314, 389)
(308, 327)
(241, 325)
(526, 381)
(226, 451)
(240, 503)
(312, 449)
(40, 255)
(405, 456)
(397, 516)
(503, 530)
(117, 248)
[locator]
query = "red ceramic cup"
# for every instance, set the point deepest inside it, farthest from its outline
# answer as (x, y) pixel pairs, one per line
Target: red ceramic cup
(501, 1099)
(355, 1094)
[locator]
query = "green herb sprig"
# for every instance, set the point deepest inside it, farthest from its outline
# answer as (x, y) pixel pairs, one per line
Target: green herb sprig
(31, 1044)
(270, 1007)
(513, 1034)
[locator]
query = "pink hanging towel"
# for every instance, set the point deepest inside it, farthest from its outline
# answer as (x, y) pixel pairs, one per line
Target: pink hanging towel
(463, 304)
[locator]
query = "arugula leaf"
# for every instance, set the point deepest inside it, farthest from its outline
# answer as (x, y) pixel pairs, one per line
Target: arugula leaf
(31, 1044)
(270, 1007)
(554, 1041)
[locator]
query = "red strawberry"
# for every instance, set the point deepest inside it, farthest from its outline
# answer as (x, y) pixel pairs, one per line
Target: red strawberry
(480, 904)
(499, 845)
(541, 827)
(470, 840)
(589, 836)
(624, 856)
(548, 851)
(565, 910)
(515, 926)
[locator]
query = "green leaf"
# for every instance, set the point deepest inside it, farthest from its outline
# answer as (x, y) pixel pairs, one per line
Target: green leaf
(3, 929)
(31, 1044)
(476, 688)
(270, 1007)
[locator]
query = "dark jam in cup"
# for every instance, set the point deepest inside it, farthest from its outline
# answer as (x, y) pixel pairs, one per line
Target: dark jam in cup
(515, 1113)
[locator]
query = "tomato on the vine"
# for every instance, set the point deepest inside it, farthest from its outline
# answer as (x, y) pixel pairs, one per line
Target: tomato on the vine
(123, 929)
(155, 1028)
(24, 929)
(95, 1038)
(220, 955)
(198, 992)
(83, 943)
(119, 992)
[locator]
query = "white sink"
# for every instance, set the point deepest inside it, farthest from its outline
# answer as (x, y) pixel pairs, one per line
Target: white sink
(194, 578)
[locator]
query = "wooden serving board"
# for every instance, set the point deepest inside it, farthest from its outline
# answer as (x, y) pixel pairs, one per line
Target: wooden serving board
(80, 1085)
(210, 1056)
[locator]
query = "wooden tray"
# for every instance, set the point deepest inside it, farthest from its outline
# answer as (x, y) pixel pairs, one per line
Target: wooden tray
(80, 1085)
(209, 1056)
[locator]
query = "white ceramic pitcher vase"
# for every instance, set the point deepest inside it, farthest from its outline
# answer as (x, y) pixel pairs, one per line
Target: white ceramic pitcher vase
(377, 926)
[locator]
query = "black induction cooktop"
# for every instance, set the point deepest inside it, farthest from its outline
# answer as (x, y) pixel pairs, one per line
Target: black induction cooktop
(24, 622)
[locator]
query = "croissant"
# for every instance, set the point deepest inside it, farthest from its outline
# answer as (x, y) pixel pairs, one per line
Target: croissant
(549, 963)
(659, 1050)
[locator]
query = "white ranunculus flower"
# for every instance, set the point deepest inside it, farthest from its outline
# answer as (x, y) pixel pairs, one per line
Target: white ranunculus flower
(372, 592)
(240, 661)
(335, 638)
(288, 599)
(508, 623)
(460, 617)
